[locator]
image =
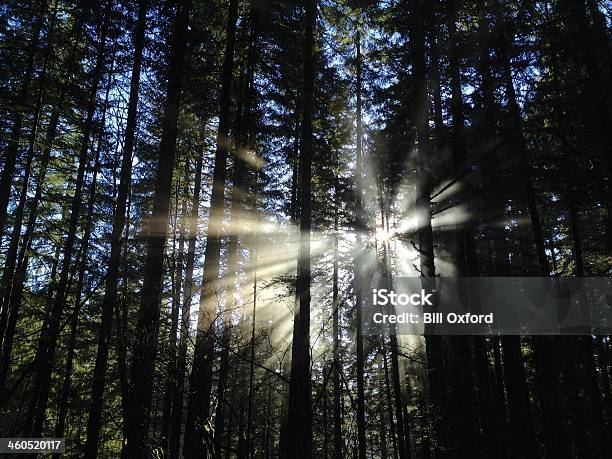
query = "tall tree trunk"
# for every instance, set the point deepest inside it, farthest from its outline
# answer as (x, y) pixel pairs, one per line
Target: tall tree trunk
(243, 132)
(171, 366)
(402, 427)
(388, 398)
(518, 405)
(200, 387)
(145, 343)
(461, 404)
(361, 425)
(177, 403)
(336, 328)
(400, 422)
(112, 274)
(251, 398)
(423, 191)
(491, 413)
(299, 422)
(294, 215)
(45, 353)
(382, 426)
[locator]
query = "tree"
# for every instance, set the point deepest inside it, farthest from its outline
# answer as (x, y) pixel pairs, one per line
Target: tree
(112, 276)
(45, 354)
(143, 354)
(201, 374)
(299, 415)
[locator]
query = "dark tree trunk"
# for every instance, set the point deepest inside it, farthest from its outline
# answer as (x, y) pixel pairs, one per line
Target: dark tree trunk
(401, 421)
(112, 274)
(251, 398)
(177, 403)
(461, 404)
(121, 331)
(145, 342)
(299, 422)
(491, 413)
(523, 444)
(171, 366)
(198, 407)
(397, 399)
(336, 331)
(388, 398)
(423, 190)
(382, 426)
(361, 425)
(242, 135)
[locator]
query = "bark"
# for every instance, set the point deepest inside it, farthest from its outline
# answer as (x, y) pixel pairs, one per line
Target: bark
(200, 388)
(299, 422)
(145, 342)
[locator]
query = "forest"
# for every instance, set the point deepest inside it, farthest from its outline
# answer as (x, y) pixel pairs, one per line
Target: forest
(194, 194)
